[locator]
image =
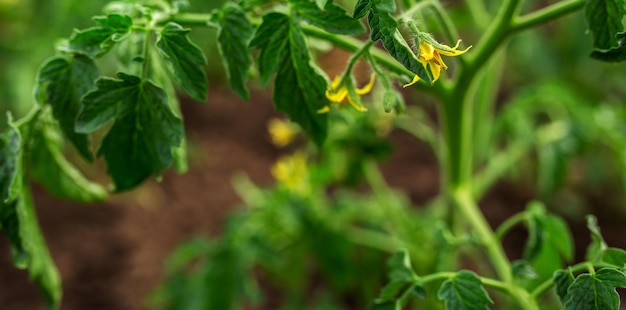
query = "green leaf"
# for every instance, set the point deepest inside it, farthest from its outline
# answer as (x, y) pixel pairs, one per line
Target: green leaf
(403, 284)
(596, 291)
(19, 222)
(272, 38)
(464, 291)
(301, 102)
(597, 246)
(615, 257)
(615, 54)
(331, 18)
(61, 83)
(549, 241)
(233, 36)
(384, 27)
(186, 60)
(53, 171)
(9, 159)
(299, 89)
(145, 131)
(97, 41)
(605, 22)
(562, 281)
(322, 3)
(361, 8)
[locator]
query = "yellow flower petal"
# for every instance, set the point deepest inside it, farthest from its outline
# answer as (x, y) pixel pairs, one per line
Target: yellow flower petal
(323, 110)
(337, 96)
(357, 105)
(281, 132)
(368, 87)
(436, 70)
(427, 51)
(415, 80)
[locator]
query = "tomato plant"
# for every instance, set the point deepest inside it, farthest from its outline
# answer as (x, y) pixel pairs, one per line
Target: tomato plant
(131, 115)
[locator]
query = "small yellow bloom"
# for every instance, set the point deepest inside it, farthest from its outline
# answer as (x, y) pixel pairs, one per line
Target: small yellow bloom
(340, 95)
(281, 132)
(431, 56)
(292, 172)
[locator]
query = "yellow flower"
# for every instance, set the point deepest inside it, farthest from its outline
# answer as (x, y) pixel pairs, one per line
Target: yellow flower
(340, 95)
(292, 172)
(281, 132)
(431, 56)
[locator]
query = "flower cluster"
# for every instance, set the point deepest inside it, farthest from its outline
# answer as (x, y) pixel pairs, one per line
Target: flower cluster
(430, 56)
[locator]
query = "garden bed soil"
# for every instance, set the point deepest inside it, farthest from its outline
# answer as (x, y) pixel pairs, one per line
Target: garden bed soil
(111, 255)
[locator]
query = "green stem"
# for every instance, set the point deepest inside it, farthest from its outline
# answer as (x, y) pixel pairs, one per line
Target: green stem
(547, 14)
(479, 12)
(448, 25)
(498, 165)
(374, 239)
(463, 199)
(510, 223)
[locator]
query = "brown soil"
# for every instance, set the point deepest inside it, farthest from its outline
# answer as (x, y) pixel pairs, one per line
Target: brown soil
(111, 255)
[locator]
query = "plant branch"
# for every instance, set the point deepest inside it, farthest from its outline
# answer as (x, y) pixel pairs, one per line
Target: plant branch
(511, 222)
(546, 14)
(465, 202)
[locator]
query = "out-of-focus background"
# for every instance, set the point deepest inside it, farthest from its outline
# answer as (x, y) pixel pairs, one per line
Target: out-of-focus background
(111, 255)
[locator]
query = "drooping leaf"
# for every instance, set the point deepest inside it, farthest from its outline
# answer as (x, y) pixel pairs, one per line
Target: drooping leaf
(615, 54)
(597, 246)
(331, 18)
(604, 18)
(19, 222)
(53, 171)
(96, 41)
(299, 90)
(272, 38)
(361, 8)
(384, 27)
(186, 60)
(596, 291)
(145, 131)
(233, 36)
(61, 83)
(464, 291)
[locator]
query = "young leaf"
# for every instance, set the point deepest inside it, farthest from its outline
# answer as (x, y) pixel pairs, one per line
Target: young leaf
(61, 83)
(615, 257)
(403, 284)
(549, 242)
(299, 90)
(52, 170)
(186, 60)
(605, 22)
(562, 281)
(331, 18)
(145, 130)
(597, 246)
(233, 36)
(464, 291)
(96, 41)
(19, 222)
(271, 38)
(596, 291)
